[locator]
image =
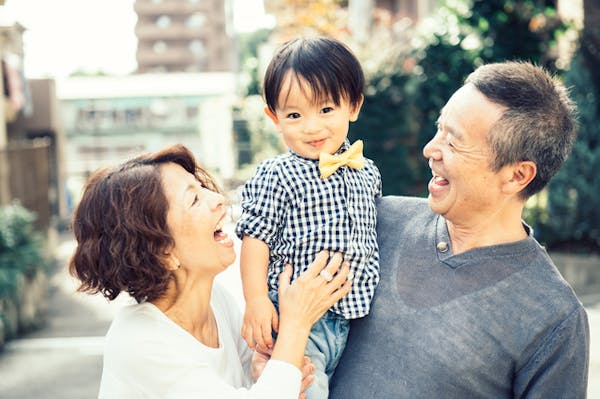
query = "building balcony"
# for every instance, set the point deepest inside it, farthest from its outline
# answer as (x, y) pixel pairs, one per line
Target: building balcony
(167, 7)
(172, 56)
(175, 32)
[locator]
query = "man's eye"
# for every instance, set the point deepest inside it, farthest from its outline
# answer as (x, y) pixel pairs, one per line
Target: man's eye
(293, 115)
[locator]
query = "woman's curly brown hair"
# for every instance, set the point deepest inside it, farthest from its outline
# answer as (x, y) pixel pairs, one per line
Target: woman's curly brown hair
(121, 227)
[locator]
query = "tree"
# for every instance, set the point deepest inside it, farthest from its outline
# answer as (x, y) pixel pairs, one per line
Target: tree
(302, 17)
(410, 87)
(571, 219)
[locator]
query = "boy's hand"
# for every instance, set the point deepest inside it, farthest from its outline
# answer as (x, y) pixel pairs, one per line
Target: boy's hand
(259, 320)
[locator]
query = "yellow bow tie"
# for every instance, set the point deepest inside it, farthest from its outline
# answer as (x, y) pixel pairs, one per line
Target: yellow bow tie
(352, 157)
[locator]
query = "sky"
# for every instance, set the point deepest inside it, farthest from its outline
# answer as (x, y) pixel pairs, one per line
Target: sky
(64, 36)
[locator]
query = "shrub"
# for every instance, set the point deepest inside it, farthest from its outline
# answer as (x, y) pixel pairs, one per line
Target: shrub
(20, 259)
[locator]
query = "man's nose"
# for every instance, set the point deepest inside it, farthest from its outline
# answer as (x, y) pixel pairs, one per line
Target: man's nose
(432, 149)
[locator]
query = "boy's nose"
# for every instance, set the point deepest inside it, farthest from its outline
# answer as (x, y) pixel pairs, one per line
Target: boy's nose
(311, 125)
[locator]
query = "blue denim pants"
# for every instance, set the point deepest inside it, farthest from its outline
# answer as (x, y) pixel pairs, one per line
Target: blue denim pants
(325, 345)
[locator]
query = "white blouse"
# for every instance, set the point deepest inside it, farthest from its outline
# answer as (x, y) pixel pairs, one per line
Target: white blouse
(147, 355)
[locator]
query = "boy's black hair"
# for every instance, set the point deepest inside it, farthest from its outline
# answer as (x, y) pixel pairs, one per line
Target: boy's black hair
(329, 66)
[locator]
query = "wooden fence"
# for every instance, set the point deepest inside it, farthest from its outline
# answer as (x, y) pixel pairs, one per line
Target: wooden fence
(26, 167)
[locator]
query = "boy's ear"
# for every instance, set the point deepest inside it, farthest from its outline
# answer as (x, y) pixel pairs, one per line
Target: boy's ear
(518, 176)
(271, 115)
(356, 110)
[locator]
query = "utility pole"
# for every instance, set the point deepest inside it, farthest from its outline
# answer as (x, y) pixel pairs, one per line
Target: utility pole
(360, 19)
(4, 166)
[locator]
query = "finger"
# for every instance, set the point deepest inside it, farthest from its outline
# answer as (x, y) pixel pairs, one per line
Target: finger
(247, 335)
(341, 292)
(267, 335)
(307, 367)
(275, 322)
(317, 265)
(284, 278)
(334, 263)
(258, 336)
(339, 279)
(306, 381)
(342, 274)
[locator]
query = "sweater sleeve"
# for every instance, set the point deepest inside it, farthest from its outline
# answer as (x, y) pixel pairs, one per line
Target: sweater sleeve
(559, 368)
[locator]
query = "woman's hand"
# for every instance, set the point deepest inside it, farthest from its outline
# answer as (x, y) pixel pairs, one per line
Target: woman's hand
(308, 369)
(304, 301)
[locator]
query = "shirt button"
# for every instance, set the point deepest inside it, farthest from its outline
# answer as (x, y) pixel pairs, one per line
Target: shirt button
(442, 246)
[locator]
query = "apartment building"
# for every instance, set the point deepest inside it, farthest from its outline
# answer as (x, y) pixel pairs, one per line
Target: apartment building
(184, 36)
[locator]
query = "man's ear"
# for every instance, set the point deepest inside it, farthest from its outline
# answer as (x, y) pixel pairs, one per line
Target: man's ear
(272, 116)
(518, 176)
(354, 113)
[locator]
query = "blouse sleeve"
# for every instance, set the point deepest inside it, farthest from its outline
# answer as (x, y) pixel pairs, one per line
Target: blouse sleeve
(263, 204)
(279, 380)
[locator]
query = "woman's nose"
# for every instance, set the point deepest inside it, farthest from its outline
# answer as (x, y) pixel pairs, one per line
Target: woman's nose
(216, 200)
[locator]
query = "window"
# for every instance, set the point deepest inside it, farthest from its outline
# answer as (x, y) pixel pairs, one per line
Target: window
(163, 21)
(196, 21)
(159, 47)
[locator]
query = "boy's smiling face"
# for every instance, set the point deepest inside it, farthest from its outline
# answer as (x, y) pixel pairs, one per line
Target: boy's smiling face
(310, 127)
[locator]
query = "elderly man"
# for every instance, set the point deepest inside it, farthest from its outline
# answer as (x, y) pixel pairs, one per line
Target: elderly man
(469, 304)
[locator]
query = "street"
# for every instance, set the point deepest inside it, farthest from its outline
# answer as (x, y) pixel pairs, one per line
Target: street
(64, 358)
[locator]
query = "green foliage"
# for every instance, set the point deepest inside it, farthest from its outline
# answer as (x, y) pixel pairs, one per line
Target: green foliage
(388, 131)
(248, 49)
(509, 30)
(20, 247)
(408, 89)
(16, 226)
(20, 261)
(571, 219)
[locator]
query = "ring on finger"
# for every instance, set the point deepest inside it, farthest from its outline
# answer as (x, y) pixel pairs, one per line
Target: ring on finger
(326, 275)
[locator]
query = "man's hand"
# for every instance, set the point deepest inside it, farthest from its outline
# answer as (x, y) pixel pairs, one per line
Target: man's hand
(260, 319)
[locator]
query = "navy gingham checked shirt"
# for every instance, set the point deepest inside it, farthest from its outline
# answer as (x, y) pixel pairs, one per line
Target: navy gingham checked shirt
(287, 206)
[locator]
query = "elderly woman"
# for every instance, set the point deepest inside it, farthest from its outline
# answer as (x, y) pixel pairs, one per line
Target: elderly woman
(153, 228)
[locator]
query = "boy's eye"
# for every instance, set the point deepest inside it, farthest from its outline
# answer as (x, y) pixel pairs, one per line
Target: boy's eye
(293, 115)
(327, 110)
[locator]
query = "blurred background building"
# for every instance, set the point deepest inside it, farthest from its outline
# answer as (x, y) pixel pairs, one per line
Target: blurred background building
(183, 36)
